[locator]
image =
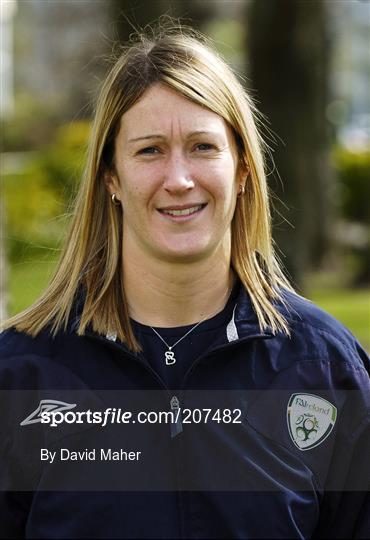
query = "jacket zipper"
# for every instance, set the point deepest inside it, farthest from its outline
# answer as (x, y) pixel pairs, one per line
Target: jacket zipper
(175, 403)
(176, 424)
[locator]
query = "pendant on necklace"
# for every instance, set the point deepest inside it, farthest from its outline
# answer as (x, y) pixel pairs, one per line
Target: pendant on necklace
(170, 357)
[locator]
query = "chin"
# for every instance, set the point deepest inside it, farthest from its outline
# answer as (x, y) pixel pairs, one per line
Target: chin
(186, 254)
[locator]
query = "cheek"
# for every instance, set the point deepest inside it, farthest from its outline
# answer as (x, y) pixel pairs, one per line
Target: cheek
(224, 166)
(134, 188)
(224, 182)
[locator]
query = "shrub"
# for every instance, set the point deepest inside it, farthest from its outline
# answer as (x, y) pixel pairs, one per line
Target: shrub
(353, 170)
(37, 197)
(354, 196)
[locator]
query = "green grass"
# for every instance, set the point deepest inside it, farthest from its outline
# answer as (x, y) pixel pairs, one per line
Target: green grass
(26, 281)
(350, 306)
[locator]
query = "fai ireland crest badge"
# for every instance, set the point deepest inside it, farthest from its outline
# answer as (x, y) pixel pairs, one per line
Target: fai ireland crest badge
(310, 420)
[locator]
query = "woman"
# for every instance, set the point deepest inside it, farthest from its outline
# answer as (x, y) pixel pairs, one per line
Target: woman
(168, 297)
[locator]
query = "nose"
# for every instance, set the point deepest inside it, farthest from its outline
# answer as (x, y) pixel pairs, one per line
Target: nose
(177, 177)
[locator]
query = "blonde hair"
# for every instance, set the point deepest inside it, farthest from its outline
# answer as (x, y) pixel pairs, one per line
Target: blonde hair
(91, 258)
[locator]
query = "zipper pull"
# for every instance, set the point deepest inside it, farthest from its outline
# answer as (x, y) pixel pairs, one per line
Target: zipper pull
(176, 425)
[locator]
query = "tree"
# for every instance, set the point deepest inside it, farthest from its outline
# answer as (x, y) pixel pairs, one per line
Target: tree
(288, 48)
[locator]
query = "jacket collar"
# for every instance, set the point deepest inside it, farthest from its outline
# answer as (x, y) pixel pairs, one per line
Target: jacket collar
(244, 321)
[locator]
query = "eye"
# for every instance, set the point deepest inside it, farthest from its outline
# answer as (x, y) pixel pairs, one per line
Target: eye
(204, 147)
(148, 150)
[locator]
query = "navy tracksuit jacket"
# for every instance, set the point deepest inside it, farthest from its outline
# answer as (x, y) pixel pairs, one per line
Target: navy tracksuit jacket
(294, 463)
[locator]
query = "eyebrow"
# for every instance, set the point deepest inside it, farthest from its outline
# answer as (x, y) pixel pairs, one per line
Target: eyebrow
(159, 136)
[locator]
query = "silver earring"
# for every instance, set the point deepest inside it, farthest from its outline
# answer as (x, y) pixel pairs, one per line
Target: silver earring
(241, 191)
(115, 200)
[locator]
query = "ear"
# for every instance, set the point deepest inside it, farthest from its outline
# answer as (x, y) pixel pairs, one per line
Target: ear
(243, 172)
(112, 183)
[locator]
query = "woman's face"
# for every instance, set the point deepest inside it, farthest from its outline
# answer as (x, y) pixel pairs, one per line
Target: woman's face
(176, 177)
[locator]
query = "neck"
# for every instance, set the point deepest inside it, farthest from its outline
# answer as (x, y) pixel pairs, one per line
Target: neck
(163, 294)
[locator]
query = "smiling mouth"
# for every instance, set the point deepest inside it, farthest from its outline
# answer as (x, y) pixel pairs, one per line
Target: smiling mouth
(183, 211)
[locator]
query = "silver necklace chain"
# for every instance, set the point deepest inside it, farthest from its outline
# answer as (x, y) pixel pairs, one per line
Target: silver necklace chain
(170, 347)
(169, 355)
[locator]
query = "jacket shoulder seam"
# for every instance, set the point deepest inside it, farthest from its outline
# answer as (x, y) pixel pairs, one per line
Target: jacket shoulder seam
(325, 331)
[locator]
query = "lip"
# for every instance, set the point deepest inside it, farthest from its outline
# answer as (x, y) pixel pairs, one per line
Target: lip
(182, 207)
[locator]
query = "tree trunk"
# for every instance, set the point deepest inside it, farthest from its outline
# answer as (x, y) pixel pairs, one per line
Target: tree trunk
(289, 51)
